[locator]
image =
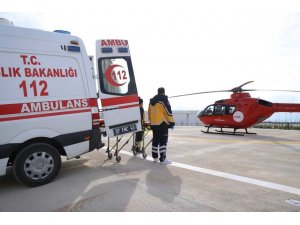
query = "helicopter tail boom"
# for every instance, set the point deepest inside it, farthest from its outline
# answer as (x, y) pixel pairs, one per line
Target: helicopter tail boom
(286, 107)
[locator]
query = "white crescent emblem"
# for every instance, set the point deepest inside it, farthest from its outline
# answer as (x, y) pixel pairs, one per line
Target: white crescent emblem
(238, 116)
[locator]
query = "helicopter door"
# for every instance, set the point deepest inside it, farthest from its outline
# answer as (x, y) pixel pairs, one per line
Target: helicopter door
(118, 91)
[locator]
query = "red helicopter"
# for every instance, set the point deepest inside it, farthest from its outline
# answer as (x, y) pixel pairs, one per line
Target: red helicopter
(241, 111)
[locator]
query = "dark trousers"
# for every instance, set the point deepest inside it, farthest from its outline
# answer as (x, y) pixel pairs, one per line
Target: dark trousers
(159, 142)
(138, 140)
(139, 136)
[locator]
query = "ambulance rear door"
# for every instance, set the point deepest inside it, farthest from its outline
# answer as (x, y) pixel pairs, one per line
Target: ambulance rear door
(118, 91)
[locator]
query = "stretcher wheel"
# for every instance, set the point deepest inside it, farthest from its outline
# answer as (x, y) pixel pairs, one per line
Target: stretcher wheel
(144, 155)
(118, 158)
(109, 155)
(134, 152)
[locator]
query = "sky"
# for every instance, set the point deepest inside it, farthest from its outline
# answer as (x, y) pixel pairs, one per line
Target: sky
(185, 48)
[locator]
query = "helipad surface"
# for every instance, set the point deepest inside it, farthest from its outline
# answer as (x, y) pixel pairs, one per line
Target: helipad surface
(209, 173)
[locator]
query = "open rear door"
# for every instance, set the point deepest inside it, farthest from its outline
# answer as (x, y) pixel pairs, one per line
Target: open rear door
(118, 91)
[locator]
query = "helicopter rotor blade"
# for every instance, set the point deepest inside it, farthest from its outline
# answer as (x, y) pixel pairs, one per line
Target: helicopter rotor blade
(239, 88)
(198, 93)
(246, 83)
(271, 90)
(234, 90)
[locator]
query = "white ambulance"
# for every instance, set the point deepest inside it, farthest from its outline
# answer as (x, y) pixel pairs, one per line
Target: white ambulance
(49, 101)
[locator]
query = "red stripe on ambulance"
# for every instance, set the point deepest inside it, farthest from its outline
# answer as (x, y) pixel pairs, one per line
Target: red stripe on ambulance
(119, 100)
(128, 106)
(43, 115)
(20, 111)
(46, 106)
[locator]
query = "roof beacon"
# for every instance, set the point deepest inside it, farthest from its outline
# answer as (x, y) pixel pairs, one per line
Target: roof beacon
(62, 31)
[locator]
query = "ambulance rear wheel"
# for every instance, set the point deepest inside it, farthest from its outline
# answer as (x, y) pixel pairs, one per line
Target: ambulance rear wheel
(37, 164)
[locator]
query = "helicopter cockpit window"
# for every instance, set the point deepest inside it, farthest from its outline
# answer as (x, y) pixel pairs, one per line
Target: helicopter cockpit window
(219, 110)
(209, 110)
(231, 109)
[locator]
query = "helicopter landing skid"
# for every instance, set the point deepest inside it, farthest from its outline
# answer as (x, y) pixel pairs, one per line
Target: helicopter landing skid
(221, 131)
(234, 132)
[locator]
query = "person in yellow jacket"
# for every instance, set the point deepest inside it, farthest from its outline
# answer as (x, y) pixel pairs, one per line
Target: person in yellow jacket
(161, 118)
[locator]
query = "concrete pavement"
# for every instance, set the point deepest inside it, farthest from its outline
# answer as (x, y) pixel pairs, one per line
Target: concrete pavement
(209, 173)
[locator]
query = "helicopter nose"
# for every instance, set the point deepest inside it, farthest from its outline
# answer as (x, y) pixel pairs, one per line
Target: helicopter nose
(200, 113)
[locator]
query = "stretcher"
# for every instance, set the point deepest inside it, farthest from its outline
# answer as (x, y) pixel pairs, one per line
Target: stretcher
(114, 147)
(146, 129)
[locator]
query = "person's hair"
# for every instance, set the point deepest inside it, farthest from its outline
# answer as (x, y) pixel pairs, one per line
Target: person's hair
(161, 91)
(140, 100)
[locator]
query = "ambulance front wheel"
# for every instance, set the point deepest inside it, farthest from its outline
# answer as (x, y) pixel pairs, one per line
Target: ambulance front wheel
(37, 164)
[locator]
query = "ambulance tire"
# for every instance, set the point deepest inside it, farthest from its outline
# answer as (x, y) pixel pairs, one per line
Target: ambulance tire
(37, 164)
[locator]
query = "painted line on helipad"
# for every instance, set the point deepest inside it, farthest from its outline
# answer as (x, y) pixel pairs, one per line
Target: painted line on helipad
(241, 141)
(247, 180)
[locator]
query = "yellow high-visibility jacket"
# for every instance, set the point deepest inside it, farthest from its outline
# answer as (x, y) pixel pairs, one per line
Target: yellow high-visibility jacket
(160, 111)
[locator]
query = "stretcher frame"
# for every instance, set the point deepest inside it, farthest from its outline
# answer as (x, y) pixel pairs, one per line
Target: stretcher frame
(117, 148)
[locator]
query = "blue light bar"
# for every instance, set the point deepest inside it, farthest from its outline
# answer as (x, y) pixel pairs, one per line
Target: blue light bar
(73, 48)
(123, 50)
(106, 50)
(62, 31)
